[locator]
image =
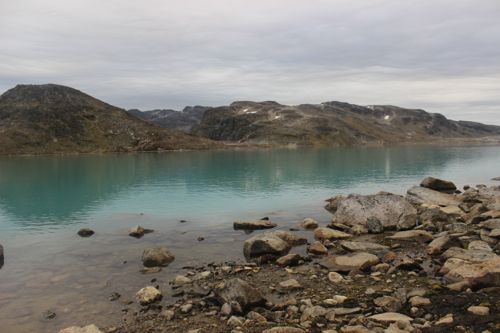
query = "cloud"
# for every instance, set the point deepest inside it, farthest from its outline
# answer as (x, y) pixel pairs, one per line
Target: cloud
(440, 55)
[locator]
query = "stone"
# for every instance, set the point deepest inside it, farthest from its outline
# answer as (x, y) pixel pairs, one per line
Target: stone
(312, 312)
(479, 246)
(85, 232)
(234, 321)
(317, 248)
(284, 329)
(226, 309)
(186, 308)
(495, 233)
(265, 244)
(390, 317)
(253, 225)
(374, 225)
(335, 277)
(309, 223)
(291, 259)
(168, 314)
(418, 195)
(388, 303)
(255, 316)
(347, 263)
(148, 295)
(393, 211)
(335, 300)
(86, 329)
(475, 274)
(290, 284)
(323, 234)
(438, 245)
(333, 203)
(345, 311)
(157, 256)
(240, 292)
(362, 246)
(419, 301)
(446, 320)
(490, 224)
(138, 231)
(438, 185)
(181, 280)
(412, 235)
(479, 310)
(289, 237)
(354, 329)
(468, 255)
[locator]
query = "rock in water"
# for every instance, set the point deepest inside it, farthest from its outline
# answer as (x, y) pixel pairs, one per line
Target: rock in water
(253, 225)
(438, 185)
(271, 244)
(323, 234)
(138, 231)
(157, 256)
(362, 246)
(86, 329)
(240, 294)
(85, 232)
(393, 211)
(309, 223)
(148, 295)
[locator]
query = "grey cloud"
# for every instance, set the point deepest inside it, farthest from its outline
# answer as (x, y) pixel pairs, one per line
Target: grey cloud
(442, 55)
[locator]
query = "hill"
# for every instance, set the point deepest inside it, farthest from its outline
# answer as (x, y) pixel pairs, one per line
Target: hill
(183, 120)
(331, 123)
(45, 119)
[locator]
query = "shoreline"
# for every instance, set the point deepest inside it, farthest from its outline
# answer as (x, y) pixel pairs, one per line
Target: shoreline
(389, 280)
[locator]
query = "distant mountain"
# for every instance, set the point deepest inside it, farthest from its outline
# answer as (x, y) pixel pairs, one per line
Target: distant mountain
(40, 119)
(331, 123)
(183, 120)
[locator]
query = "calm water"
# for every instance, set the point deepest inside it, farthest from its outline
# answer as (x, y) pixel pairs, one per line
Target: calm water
(45, 200)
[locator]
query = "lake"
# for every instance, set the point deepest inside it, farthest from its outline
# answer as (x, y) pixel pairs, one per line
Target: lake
(45, 200)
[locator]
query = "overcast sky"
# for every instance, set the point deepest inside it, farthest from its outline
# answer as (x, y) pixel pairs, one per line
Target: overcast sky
(439, 55)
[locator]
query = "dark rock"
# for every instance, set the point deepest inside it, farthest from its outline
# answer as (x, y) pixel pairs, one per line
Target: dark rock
(265, 244)
(438, 185)
(292, 259)
(49, 315)
(374, 225)
(496, 179)
(85, 232)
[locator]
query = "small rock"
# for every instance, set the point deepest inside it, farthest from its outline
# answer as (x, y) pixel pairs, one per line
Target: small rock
(323, 233)
(419, 301)
(253, 225)
(388, 303)
(335, 277)
(390, 317)
(290, 284)
(86, 329)
(362, 246)
(234, 321)
(309, 223)
(138, 231)
(148, 295)
(347, 263)
(85, 232)
(292, 259)
(412, 235)
(181, 280)
(479, 310)
(446, 320)
(284, 329)
(157, 256)
(186, 308)
(317, 248)
(374, 225)
(479, 245)
(255, 316)
(168, 314)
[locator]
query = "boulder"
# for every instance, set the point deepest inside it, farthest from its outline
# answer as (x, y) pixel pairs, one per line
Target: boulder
(309, 223)
(86, 329)
(240, 294)
(474, 274)
(317, 248)
(418, 195)
(468, 255)
(266, 244)
(138, 231)
(157, 256)
(393, 211)
(412, 235)
(362, 246)
(253, 225)
(438, 185)
(323, 234)
(85, 232)
(347, 263)
(148, 295)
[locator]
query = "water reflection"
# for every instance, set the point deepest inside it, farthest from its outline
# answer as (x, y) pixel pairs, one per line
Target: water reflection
(36, 192)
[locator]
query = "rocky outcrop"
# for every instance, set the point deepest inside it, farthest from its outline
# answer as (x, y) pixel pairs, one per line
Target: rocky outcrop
(49, 119)
(393, 211)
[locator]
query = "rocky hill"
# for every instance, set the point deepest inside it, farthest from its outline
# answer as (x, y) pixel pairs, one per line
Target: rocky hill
(41, 119)
(183, 120)
(331, 123)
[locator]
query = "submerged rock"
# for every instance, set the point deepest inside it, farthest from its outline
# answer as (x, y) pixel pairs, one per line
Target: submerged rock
(392, 211)
(138, 231)
(253, 225)
(438, 185)
(157, 256)
(85, 232)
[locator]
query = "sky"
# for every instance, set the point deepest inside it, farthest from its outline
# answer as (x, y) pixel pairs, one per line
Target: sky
(439, 55)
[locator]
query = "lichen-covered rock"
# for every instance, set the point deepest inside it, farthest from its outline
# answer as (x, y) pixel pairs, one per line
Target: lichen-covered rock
(393, 211)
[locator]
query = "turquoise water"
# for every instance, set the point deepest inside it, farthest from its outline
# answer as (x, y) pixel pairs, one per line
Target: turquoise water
(47, 194)
(45, 200)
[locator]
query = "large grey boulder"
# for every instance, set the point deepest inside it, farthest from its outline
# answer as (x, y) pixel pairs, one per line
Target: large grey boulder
(239, 294)
(438, 185)
(418, 195)
(393, 211)
(157, 256)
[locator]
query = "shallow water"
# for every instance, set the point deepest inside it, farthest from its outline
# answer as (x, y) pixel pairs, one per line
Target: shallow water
(45, 200)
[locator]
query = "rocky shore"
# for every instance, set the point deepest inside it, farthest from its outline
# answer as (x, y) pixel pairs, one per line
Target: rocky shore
(425, 262)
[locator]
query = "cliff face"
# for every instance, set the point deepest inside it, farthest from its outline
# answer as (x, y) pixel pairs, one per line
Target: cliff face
(41, 119)
(183, 120)
(331, 123)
